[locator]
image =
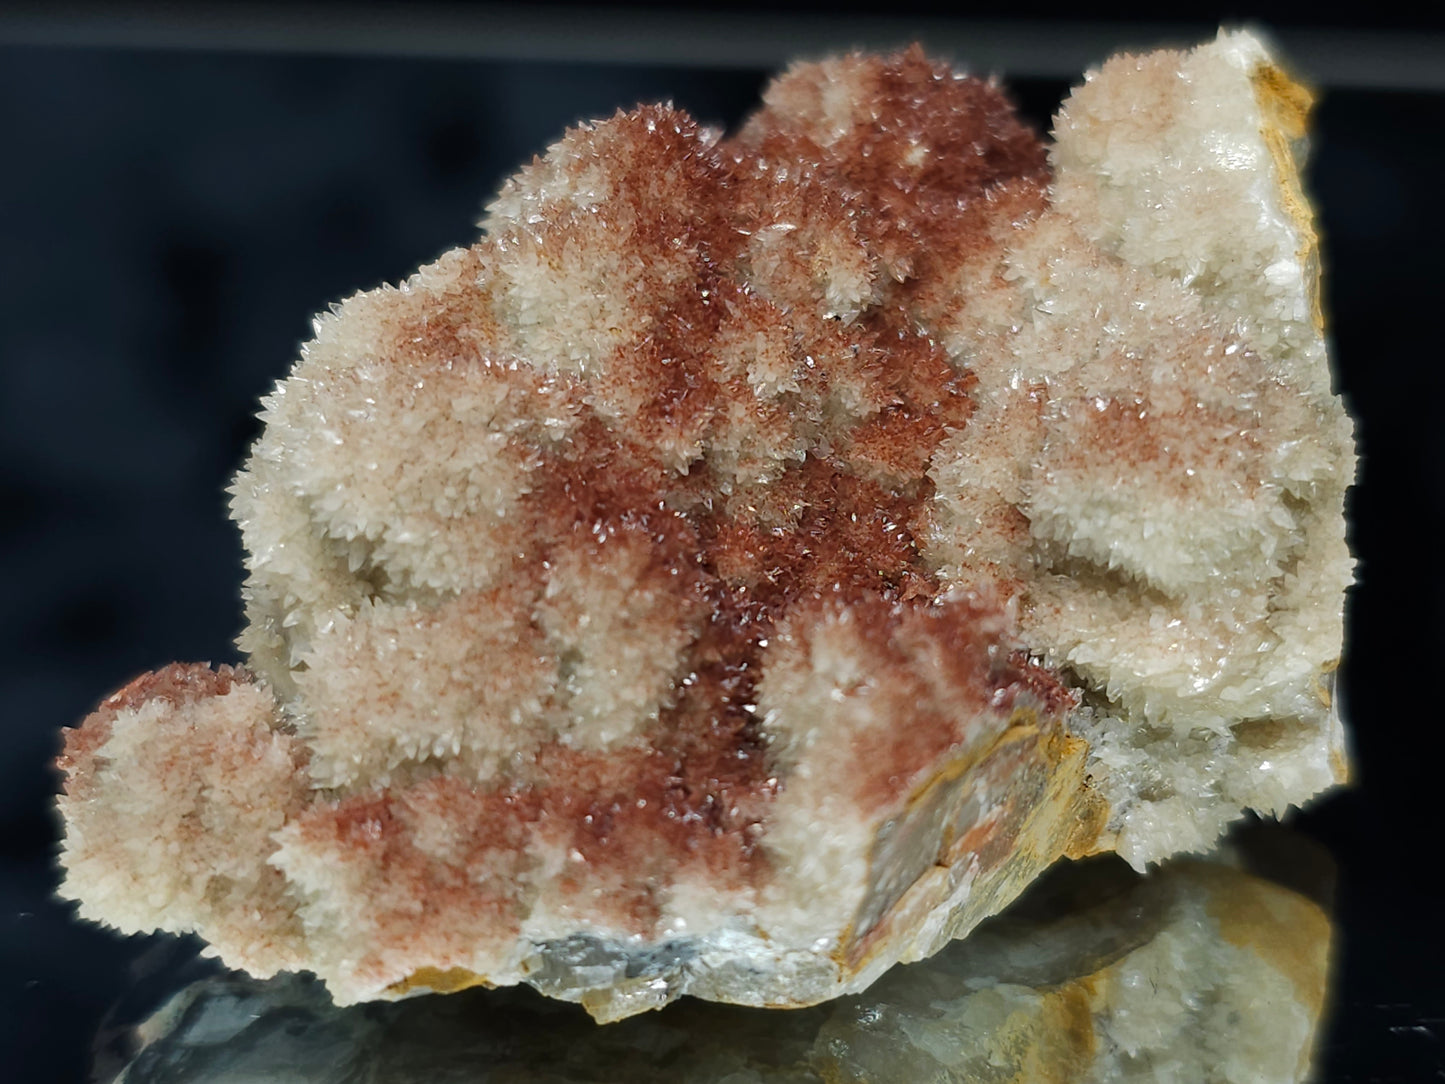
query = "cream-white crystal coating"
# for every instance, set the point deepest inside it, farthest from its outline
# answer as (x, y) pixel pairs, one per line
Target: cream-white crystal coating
(1145, 394)
(755, 560)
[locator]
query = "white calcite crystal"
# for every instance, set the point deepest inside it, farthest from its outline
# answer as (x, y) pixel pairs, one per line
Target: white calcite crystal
(1201, 974)
(755, 560)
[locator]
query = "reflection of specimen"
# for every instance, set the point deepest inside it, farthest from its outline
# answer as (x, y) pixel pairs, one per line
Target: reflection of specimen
(755, 560)
(1200, 973)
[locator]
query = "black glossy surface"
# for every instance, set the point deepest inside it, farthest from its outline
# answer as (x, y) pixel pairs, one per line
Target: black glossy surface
(168, 223)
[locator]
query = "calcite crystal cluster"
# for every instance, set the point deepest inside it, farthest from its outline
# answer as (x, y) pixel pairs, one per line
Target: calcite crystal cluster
(756, 559)
(1201, 974)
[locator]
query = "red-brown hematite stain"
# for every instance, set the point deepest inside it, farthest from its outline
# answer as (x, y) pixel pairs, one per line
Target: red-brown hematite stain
(178, 684)
(827, 531)
(972, 138)
(958, 634)
(837, 527)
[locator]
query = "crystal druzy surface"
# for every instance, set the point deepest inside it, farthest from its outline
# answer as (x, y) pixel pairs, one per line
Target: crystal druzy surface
(755, 559)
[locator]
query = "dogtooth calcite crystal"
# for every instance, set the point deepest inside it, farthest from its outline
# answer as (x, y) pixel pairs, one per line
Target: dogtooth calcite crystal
(755, 559)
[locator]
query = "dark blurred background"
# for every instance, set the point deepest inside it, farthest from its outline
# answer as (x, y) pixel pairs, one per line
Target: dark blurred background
(182, 186)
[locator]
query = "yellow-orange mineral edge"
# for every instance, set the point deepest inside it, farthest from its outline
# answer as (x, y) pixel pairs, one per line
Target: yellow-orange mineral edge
(755, 559)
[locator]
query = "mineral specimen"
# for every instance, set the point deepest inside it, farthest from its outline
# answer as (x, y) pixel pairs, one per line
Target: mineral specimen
(756, 559)
(1201, 973)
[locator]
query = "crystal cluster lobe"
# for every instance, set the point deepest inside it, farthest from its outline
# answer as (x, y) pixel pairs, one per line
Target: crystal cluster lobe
(755, 559)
